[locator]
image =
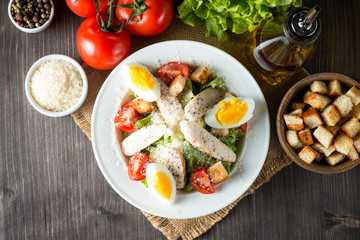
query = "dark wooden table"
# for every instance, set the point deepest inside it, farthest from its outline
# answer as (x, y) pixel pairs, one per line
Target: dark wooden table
(51, 187)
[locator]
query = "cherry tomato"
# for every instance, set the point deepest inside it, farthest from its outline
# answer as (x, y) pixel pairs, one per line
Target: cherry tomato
(99, 49)
(152, 22)
(137, 166)
(201, 181)
(127, 117)
(243, 127)
(171, 70)
(86, 8)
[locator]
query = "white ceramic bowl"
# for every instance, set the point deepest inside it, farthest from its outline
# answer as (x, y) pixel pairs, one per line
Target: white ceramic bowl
(36, 105)
(252, 148)
(32, 30)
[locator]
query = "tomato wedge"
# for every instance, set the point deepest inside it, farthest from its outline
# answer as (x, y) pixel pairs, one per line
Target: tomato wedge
(243, 127)
(126, 118)
(171, 70)
(201, 181)
(137, 166)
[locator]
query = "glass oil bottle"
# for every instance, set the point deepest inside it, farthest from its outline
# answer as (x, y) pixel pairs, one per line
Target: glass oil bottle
(282, 45)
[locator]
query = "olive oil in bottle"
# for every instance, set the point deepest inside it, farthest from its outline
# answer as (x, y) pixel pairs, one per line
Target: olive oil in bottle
(282, 45)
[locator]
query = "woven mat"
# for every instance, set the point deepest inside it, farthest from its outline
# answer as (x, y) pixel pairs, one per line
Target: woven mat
(235, 46)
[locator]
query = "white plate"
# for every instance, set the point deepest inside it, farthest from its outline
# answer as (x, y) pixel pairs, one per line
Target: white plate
(252, 150)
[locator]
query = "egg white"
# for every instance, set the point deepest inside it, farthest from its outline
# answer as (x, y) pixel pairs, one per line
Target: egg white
(151, 170)
(149, 95)
(210, 114)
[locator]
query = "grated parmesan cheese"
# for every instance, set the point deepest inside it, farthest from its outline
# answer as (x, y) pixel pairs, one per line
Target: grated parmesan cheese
(56, 85)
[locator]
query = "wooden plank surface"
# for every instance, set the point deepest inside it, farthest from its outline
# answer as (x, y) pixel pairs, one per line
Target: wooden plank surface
(51, 187)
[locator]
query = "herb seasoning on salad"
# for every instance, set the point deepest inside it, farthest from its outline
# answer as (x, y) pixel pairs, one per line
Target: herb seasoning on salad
(183, 125)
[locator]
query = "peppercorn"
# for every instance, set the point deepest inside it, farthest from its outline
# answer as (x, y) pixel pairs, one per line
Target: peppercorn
(30, 13)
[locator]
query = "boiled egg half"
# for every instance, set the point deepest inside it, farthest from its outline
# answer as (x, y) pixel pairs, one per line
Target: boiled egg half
(141, 81)
(161, 182)
(230, 112)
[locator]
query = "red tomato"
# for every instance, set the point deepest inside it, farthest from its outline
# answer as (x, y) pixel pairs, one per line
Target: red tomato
(86, 8)
(137, 166)
(99, 49)
(127, 117)
(243, 127)
(201, 181)
(171, 70)
(152, 22)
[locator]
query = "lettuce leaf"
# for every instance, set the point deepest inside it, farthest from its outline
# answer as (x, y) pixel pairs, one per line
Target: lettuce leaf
(217, 82)
(231, 140)
(144, 122)
(241, 16)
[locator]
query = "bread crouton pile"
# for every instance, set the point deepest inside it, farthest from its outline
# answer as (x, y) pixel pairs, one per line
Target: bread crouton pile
(325, 123)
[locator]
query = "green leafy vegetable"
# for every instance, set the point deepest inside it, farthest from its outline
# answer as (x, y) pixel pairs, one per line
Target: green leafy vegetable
(218, 83)
(231, 139)
(144, 182)
(222, 15)
(144, 122)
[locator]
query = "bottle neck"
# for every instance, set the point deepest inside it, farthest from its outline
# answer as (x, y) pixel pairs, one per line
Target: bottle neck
(294, 30)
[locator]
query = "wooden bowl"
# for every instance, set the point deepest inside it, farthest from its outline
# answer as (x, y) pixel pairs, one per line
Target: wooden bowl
(294, 93)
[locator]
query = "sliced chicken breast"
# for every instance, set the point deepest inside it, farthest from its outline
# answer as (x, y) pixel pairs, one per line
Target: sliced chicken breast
(170, 107)
(142, 138)
(206, 142)
(174, 161)
(202, 102)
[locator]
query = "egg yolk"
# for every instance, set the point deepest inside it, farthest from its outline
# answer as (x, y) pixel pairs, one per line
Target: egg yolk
(162, 184)
(231, 112)
(141, 78)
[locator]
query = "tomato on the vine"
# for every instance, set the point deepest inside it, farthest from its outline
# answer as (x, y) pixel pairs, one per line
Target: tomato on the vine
(99, 49)
(86, 8)
(126, 118)
(201, 181)
(153, 21)
(137, 166)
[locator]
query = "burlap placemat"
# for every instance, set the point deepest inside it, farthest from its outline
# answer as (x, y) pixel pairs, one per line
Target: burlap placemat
(235, 46)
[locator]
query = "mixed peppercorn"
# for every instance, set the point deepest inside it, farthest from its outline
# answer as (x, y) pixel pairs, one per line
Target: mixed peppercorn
(31, 13)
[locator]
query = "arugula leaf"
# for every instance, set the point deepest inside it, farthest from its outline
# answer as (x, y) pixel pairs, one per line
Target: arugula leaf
(218, 83)
(144, 122)
(231, 139)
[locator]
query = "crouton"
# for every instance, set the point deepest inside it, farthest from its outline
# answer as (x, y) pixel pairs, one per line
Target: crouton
(351, 127)
(353, 154)
(312, 118)
(319, 157)
(143, 107)
(317, 101)
(201, 75)
(343, 143)
(307, 154)
(217, 173)
(357, 142)
(333, 129)
(298, 112)
(177, 85)
(335, 158)
(220, 132)
(354, 95)
(324, 136)
(356, 111)
(334, 89)
(307, 93)
(343, 104)
(294, 122)
(306, 137)
(319, 87)
(331, 115)
(293, 139)
(321, 149)
(297, 105)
